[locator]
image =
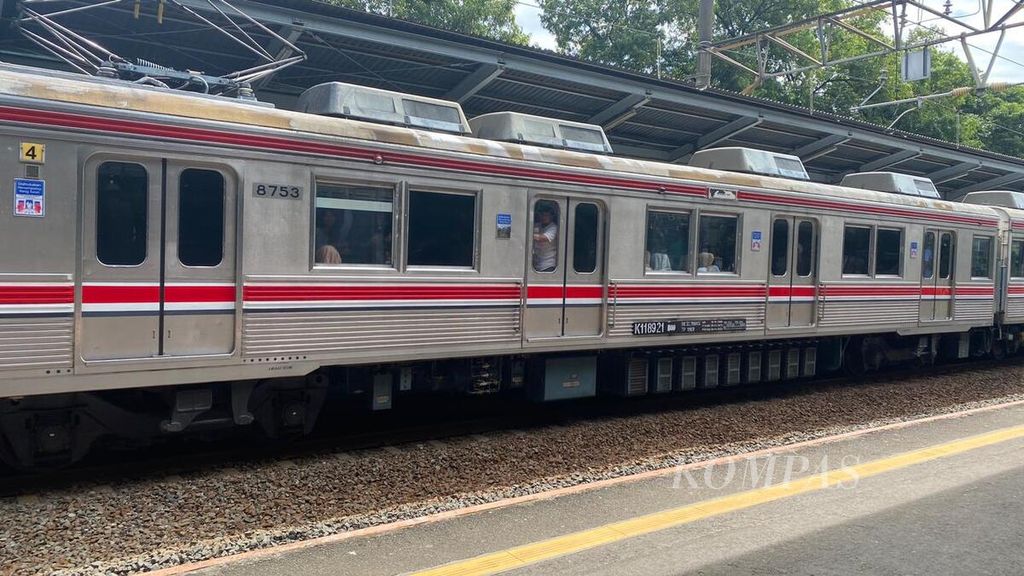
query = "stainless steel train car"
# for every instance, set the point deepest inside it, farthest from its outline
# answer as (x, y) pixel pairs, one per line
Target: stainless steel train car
(172, 262)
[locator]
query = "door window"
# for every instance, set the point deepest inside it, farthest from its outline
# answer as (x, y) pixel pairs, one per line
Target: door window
(545, 236)
(200, 217)
(928, 259)
(584, 243)
(805, 249)
(122, 199)
(945, 255)
(780, 247)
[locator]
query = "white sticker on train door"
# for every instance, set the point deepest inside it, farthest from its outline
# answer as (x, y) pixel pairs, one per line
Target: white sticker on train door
(29, 197)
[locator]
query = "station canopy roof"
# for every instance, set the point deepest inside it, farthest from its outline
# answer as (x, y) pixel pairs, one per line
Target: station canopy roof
(644, 117)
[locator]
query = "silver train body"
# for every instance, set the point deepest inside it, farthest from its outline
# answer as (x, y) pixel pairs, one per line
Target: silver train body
(159, 268)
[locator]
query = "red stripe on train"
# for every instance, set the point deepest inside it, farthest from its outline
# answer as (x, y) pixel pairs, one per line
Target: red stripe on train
(111, 294)
(28, 294)
(310, 293)
(199, 294)
(114, 294)
(278, 143)
(872, 290)
(542, 291)
(799, 291)
(831, 204)
(975, 290)
(690, 292)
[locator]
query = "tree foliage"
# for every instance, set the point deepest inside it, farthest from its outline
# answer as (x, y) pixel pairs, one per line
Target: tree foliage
(486, 18)
(629, 33)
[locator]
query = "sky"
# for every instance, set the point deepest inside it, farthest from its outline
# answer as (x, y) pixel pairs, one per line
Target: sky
(528, 17)
(1013, 45)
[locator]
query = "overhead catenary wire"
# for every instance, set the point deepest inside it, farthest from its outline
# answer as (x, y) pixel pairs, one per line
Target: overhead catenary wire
(82, 53)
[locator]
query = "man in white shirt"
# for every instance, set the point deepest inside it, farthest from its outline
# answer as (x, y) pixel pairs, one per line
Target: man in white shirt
(545, 238)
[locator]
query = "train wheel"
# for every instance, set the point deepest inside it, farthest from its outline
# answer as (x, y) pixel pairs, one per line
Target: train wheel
(864, 355)
(7, 456)
(999, 349)
(46, 433)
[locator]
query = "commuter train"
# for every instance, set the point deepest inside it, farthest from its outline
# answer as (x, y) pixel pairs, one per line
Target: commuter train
(174, 262)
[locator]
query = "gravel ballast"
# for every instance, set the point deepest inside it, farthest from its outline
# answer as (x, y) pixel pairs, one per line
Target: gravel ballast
(136, 525)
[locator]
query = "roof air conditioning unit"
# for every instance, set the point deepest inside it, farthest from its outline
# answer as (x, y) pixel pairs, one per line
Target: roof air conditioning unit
(383, 107)
(750, 161)
(1001, 198)
(892, 182)
(540, 131)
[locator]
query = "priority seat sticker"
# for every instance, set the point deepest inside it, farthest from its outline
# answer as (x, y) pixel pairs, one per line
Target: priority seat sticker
(29, 197)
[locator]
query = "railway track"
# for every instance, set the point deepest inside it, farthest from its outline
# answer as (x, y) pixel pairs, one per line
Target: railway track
(178, 456)
(136, 516)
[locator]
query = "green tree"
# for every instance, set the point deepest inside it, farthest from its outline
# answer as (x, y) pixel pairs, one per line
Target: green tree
(627, 33)
(624, 33)
(1002, 121)
(493, 19)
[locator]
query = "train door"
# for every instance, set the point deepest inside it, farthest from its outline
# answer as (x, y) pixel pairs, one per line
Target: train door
(792, 274)
(120, 294)
(158, 260)
(937, 266)
(565, 271)
(199, 261)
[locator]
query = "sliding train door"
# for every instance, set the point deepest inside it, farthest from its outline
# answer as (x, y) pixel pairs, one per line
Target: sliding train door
(792, 275)
(199, 261)
(121, 246)
(158, 260)
(937, 267)
(565, 271)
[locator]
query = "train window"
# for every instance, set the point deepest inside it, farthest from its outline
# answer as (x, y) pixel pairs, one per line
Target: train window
(584, 241)
(668, 242)
(545, 235)
(121, 213)
(717, 243)
(888, 252)
(856, 249)
(780, 247)
(442, 229)
(981, 257)
(200, 217)
(1017, 259)
(945, 255)
(928, 260)
(805, 248)
(353, 225)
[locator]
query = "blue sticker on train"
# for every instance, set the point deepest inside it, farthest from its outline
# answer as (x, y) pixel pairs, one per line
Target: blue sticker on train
(504, 226)
(29, 197)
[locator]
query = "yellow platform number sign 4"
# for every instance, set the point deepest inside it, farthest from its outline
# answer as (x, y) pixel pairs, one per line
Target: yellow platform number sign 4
(33, 152)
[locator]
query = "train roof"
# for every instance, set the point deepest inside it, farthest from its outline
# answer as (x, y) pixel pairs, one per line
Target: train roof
(33, 83)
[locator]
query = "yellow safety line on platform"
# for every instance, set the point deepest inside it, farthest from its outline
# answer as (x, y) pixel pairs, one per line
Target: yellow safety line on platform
(532, 553)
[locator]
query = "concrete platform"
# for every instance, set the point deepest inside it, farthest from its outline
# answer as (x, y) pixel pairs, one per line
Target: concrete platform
(939, 497)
